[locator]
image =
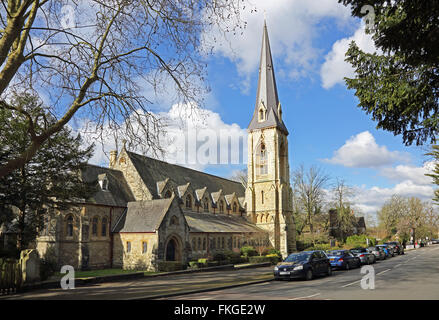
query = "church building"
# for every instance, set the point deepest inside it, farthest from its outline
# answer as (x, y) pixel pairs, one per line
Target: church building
(147, 211)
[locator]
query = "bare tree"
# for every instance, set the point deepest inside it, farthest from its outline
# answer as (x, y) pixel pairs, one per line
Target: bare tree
(240, 176)
(93, 58)
(342, 195)
(309, 186)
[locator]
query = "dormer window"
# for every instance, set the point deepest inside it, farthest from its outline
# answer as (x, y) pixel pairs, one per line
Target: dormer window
(235, 207)
(189, 201)
(221, 206)
(206, 205)
(103, 182)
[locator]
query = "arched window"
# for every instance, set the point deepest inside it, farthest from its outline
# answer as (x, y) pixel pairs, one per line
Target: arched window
(206, 205)
(204, 243)
(221, 206)
(262, 197)
(199, 243)
(263, 168)
(193, 244)
(189, 201)
(235, 207)
(144, 247)
(104, 227)
(174, 220)
(69, 226)
(94, 226)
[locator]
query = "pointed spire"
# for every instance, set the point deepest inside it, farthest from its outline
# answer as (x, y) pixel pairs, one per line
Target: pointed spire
(267, 108)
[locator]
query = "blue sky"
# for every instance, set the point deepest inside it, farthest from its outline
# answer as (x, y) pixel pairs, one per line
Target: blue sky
(308, 41)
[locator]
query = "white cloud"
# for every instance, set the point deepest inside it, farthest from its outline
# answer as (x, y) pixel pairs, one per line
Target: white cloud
(362, 151)
(335, 68)
(370, 200)
(181, 127)
(408, 172)
(293, 27)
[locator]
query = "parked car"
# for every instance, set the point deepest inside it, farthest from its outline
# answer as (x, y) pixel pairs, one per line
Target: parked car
(378, 252)
(343, 259)
(366, 256)
(305, 264)
(387, 249)
(397, 247)
(434, 241)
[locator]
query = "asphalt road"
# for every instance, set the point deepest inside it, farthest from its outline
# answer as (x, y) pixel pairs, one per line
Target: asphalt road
(412, 276)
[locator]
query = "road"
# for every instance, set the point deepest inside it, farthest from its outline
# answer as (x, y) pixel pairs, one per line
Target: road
(414, 275)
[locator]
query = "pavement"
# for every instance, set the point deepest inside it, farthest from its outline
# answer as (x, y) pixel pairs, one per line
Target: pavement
(412, 276)
(153, 287)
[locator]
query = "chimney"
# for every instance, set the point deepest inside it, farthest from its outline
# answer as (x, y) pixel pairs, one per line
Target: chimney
(113, 157)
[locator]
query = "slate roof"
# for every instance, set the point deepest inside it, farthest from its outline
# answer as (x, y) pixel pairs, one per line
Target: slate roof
(143, 216)
(208, 222)
(118, 193)
(153, 170)
(267, 90)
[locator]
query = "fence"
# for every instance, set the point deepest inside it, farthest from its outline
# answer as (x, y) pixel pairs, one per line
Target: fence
(10, 276)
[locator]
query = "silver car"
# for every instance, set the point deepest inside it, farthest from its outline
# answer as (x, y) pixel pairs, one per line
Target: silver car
(365, 255)
(378, 252)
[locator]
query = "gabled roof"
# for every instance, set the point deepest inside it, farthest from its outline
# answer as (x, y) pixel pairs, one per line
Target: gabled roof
(144, 216)
(216, 196)
(267, 90)
(153, 170)
(118, 193)
(207, 222)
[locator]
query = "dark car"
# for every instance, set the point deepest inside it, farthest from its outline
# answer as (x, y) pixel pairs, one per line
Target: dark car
(305, 264)
(366, 256)
(397, 247)
(434, 241)
(378, 252)
(387, 249)
(343, 259)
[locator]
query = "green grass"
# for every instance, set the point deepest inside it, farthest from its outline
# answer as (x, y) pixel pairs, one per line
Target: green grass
(102, 272)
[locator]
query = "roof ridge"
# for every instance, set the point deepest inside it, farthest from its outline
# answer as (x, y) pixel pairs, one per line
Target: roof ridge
(180, 166)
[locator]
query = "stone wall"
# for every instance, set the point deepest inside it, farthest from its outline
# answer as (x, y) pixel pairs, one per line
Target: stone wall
(136, 258)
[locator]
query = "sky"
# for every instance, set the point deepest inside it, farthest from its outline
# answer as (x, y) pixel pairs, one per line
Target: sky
(326, 128)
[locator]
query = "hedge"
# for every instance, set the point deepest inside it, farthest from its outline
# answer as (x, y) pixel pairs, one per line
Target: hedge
(168, 266)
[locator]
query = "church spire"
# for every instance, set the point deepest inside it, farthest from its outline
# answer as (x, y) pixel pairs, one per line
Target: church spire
(267, 109)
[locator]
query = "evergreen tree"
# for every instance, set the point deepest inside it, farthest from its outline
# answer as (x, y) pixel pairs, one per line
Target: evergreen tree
(399, 86)
(50, 179)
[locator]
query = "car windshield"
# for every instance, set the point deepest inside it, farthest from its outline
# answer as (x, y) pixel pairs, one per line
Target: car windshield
(298, 257)
(335, 253)
(358, 250)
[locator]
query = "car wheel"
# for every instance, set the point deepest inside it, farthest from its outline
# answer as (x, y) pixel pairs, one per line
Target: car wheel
(309, 275)
(329, 272)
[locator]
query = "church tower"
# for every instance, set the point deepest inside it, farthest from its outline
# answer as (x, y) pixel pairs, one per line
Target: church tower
(268, 194)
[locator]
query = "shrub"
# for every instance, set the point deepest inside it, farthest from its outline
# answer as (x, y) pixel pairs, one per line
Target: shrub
(194, 264)
(274, 258)
(259, 259)
(48, 264)
(203, 261)
(359, 241)
(212, 263)
(169, 266)
(322, 246)
(249, 251)
(219, 256)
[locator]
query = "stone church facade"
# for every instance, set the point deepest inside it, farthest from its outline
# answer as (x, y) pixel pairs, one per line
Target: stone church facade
(147, 211)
